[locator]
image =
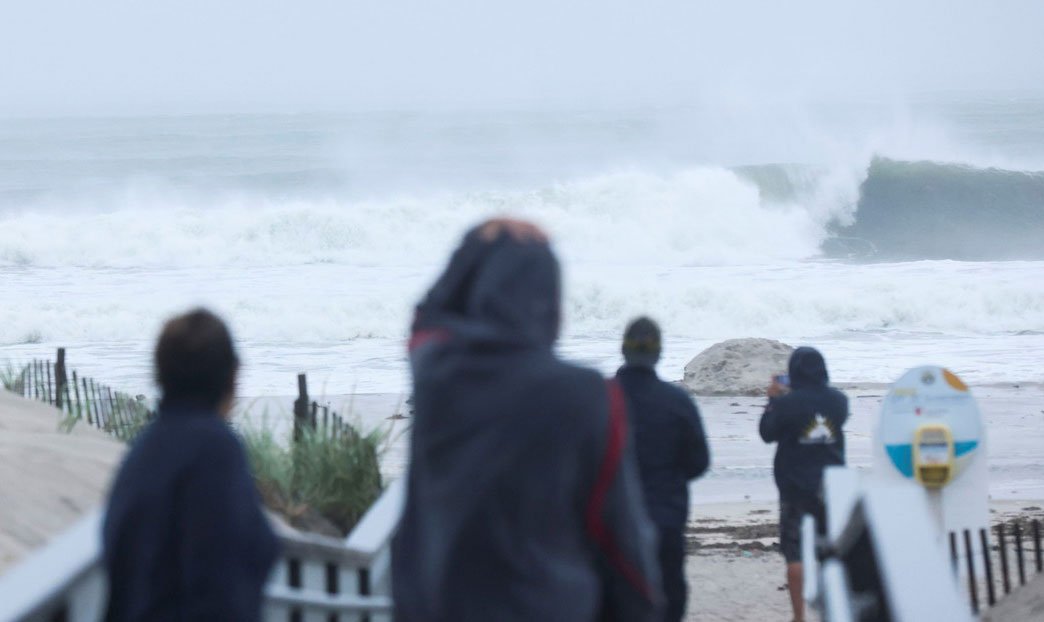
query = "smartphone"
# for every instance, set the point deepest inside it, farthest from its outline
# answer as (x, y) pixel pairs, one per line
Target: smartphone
(782, 379)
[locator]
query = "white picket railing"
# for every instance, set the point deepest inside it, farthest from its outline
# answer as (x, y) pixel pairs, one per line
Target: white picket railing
(882, 557)
(316, 577)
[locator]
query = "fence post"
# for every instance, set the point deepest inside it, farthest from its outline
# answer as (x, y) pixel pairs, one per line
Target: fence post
(76, 390)
(1036, 545)
(972, 586)
(115, 410)
(101, 419)
(87, 401)
(301, 407)
(59, 378)
(47, 388)
(1019, 557)
(1002, 541)
(987, 564)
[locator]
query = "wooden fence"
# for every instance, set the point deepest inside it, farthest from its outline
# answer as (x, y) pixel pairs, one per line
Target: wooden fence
(81, 398)
(318, 418)
(123, 416)
(1025, 541)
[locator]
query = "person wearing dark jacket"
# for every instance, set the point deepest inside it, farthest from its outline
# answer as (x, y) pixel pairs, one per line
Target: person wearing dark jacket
(523, 501)
(806, 422)
(184, 537)
(671, 449)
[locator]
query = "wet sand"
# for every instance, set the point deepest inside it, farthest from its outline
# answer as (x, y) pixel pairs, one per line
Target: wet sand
(734, 567)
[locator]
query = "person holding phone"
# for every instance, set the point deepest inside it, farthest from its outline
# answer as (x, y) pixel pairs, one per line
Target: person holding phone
(805, 418)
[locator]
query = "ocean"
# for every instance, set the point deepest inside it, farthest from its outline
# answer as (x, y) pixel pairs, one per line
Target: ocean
(887, 234)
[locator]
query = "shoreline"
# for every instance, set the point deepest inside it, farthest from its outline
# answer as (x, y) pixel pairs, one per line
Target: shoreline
(741, 464)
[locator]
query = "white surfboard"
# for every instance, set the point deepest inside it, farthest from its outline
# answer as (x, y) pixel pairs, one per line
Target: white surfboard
(930, 397)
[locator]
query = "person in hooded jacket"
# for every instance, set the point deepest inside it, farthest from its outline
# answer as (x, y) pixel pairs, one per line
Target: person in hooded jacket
(671, 449)
(805, 420)
(523, 501)
(184, 536)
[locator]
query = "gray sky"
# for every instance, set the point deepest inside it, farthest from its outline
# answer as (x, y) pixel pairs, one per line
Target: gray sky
(196, 55)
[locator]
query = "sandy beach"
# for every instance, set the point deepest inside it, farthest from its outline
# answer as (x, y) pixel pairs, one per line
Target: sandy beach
(735, 570)
(49, 478)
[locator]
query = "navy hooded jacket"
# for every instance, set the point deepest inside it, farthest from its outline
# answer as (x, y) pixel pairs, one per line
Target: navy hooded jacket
(807, 425)
(669, 442)
(523, 501)
(184, 535)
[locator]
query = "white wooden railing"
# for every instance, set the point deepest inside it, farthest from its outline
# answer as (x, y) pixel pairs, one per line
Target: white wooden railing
(882, 557)
(317, 579)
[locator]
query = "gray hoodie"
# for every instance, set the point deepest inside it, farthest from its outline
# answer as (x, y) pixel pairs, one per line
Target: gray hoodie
(523, 501)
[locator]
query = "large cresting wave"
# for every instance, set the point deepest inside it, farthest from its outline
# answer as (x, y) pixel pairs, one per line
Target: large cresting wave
(710, 216)
(931, 210)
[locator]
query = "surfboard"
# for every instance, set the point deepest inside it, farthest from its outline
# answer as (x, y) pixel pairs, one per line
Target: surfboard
(929, 396)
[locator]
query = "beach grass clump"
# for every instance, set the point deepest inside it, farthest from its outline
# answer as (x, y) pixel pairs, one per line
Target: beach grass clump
(134, 416)
(13, 378)
(321, 476)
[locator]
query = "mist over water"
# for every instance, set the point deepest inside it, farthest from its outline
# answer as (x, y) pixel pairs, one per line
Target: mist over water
(316, 233)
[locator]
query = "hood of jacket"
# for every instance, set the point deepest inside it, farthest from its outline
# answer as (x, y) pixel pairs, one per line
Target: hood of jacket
(501, 292)
(807, 368)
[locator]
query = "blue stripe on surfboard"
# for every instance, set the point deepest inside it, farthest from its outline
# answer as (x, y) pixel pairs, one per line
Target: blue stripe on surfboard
(902, 455)
(902, 458)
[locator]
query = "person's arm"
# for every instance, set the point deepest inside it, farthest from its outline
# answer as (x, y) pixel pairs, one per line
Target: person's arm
(769, 427)
(696, 454)
(623, 535)
(217, 510)
(774, 418)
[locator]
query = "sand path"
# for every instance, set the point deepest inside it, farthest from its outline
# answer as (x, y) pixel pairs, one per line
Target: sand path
(48, 478)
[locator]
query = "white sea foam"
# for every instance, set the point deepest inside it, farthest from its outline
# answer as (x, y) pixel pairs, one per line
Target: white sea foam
(705, 216)
(102, 237)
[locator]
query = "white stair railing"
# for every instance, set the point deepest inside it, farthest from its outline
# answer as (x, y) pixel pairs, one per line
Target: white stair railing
(315, 578)
(882, 557)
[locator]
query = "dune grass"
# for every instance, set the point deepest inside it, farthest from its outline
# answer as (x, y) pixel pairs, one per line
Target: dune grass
(337, 478)
(12, 378)
(321, 482)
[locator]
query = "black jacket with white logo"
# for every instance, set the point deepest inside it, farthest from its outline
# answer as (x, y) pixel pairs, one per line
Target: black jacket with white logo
(807, 424)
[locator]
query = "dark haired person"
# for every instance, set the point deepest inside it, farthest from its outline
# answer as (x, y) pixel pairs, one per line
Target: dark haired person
(805, 419)
(184, 535)
(671, 448)
(523, 501)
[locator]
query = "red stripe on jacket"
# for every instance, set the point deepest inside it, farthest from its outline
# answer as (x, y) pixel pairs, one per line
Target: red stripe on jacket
(425, 336)
(596, 526)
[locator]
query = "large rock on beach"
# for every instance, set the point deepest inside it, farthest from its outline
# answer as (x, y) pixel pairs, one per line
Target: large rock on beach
(736, 367)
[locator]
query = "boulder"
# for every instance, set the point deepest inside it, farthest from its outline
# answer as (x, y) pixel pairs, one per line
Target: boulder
(736, 367)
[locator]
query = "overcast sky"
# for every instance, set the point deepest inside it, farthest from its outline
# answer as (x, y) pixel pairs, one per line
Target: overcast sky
(102, 56)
